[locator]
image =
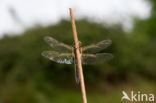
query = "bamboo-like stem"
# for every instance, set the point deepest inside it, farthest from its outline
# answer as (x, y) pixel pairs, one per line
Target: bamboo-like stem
(78, 57)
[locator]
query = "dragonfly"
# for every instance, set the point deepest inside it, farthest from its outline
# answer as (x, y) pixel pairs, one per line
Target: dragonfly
(66, 55)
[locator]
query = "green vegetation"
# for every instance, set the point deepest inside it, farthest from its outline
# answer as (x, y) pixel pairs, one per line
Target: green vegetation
(27, 77)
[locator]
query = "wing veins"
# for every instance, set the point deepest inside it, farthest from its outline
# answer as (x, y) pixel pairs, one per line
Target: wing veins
(57, 45)
(94, 48)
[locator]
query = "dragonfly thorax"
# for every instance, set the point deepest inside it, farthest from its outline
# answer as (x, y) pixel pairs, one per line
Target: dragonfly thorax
(80, 49)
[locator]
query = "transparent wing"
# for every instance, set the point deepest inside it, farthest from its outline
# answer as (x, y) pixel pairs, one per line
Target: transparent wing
(57, 45)
(63, 58)
(95, 58)
(94, 48)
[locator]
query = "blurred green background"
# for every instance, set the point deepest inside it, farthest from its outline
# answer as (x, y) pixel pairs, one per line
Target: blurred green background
(27, 77)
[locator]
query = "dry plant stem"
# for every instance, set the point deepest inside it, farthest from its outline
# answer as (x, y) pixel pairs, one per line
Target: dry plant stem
(78, 57)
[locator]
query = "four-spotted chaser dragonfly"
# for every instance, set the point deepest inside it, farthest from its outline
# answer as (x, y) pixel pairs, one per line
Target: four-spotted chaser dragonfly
(89, 53)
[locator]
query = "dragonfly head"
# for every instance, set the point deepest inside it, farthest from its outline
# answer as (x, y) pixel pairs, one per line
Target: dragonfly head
(80, 43)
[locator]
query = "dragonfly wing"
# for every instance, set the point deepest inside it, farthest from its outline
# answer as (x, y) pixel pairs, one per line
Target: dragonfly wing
(63, 58)
(57, 45)
(94, 48)
(95, 58)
